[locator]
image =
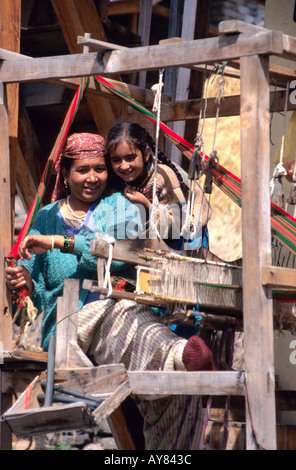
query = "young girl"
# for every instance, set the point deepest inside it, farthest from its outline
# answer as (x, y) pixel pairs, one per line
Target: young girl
(131, 163)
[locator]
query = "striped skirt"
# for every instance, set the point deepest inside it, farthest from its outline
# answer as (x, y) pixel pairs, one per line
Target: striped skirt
(132, 334)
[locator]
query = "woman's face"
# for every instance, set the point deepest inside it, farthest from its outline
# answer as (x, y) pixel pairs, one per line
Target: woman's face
(127, 161)
(87, 179)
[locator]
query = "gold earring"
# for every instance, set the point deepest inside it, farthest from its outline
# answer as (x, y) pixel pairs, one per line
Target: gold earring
(65, 184)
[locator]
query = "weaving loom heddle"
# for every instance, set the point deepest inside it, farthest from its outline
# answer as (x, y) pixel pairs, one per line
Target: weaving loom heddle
(167, 278)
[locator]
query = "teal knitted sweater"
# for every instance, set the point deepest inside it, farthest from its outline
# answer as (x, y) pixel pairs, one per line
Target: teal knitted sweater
(114, 215)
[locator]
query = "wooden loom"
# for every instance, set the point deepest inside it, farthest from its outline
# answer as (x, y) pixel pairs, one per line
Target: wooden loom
(166, 277)
(254, 51)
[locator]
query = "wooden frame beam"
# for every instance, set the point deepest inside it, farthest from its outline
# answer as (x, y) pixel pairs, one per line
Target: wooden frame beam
(257, 299)
(77, 18)
(143, 58)
(275, 276)
(187, 383)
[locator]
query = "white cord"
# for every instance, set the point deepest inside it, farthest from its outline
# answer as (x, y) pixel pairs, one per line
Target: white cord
(156, 107)
(107, 280)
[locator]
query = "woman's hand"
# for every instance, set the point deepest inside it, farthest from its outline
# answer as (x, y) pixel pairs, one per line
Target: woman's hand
(18, 276)
(136, 197)
(35, 244)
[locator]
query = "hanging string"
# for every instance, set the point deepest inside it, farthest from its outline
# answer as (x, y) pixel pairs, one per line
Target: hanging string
(156, 108)
(190, 229)
(107, 280)
(27, 313)
(276, 185)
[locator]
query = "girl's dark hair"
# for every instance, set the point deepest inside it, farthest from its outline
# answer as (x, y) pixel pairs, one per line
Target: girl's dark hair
(140, 138)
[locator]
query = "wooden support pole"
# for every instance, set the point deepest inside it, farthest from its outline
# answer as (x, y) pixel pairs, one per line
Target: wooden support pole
(135, 59)
(144, 27)
(256, 246)
(5, 245)
(5, 224)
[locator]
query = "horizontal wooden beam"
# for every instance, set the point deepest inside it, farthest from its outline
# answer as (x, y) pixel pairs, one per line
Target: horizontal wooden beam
(275, 276)
(99, 45)
(187, 383)
(143, 58)
(157, 382)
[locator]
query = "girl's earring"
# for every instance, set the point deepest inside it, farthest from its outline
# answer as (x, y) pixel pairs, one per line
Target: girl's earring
(65, 184)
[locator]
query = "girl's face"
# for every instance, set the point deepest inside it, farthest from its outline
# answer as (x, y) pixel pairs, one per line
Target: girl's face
(87, 180)
(128, 161)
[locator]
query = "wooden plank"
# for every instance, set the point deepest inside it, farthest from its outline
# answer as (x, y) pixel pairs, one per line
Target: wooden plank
(144, 27)
(187, 383)
(275, 276)
(112, 402)
(154, 382)
(289, 47)
(10, 26)
(23, 356)
(26, 188)
(67, 354)
(5, 54)
(5, 225)
(256, 247)
(238, 26)
(81, 377)
(98, 45)
(183, 75)
(144, 58)
(77, 18)
(121, 433)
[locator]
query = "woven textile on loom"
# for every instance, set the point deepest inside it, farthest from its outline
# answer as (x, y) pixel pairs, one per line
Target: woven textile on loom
(283, 225)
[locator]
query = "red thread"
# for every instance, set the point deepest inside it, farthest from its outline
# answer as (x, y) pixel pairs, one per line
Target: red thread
(28, 393)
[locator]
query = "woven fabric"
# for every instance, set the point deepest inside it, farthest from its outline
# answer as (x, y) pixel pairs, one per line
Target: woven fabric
(131, 334)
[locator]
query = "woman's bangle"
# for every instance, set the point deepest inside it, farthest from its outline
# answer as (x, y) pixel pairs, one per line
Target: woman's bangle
(69, 242)
(52, 243)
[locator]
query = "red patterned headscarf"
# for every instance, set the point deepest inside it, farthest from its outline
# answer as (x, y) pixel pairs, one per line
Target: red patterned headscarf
(77, 146)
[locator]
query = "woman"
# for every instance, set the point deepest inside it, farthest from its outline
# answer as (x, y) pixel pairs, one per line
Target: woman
(60, 235)
(108, 332)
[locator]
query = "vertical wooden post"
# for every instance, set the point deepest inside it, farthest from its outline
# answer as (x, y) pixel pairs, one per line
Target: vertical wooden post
(256, 243)
(10, 26)
(183, 76)
(5, 224)
(144, 26)
(5, 245)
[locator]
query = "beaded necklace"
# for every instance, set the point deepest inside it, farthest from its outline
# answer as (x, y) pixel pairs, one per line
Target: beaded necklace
(72, 212)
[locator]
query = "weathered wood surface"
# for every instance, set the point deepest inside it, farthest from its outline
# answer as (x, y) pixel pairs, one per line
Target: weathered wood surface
(275, 276)
(68, 354)
(77, 18)
(257, 299)
(90, 380)
(5, 224)
(144, 58)
(187, 383)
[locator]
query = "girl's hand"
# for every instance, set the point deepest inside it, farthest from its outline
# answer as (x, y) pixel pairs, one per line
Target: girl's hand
(136, 197)
(18, 276)
(36, 244)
